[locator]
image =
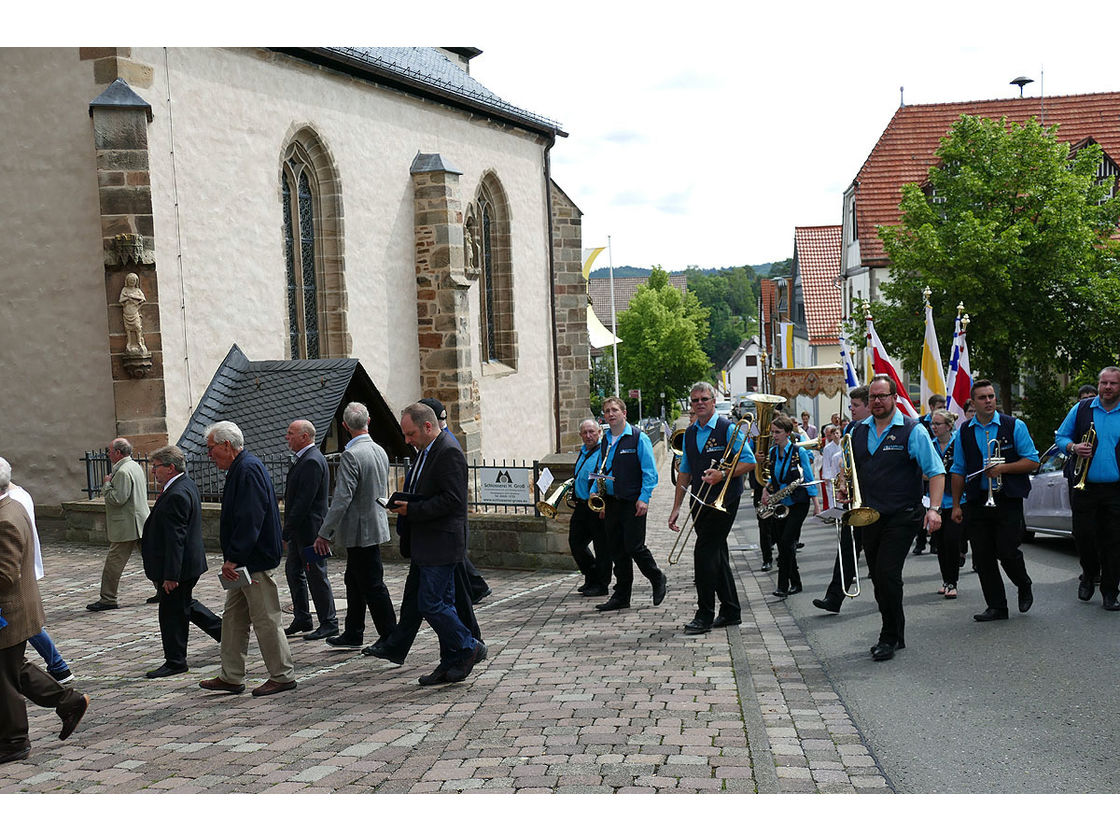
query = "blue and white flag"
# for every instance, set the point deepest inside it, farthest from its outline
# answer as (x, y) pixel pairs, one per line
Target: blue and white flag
(850, 379)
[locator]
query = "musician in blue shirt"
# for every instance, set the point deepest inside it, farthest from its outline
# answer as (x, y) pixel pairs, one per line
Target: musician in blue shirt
(948, 541)
(994, 531)
(1096, 508)
(788, 464)
(704, 475)
(626, 460)
(586, 525)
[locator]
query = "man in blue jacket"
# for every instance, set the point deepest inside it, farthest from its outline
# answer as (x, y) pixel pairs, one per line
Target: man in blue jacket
(250, 537)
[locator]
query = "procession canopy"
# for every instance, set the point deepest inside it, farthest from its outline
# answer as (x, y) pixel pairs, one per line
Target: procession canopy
(807, 381)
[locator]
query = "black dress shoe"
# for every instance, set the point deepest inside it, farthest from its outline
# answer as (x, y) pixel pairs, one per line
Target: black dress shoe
(98, 606)
(1111, 603)
(379, 650)
(344, 641)
(476, 598)
(1026, 598)
(726, 621)
(583, 588)
(766, 566)
(166, 670)
(459, 672)
(595, 592)
(659, 589)
(297, 627)
(882, 652)
(780, 593)
(1085, 590)
(826, 605)
(153, 600)
(793, 590)
(697, 626)
(438, 676)
(992, 614)
(321, 633)
(15, 755)
(612, 604)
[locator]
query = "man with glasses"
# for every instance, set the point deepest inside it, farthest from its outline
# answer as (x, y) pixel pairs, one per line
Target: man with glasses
(702, 473)
(994, 531)
(892, 452)
(174, 559)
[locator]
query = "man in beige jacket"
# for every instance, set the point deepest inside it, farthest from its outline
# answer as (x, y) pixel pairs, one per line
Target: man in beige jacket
(126, 510)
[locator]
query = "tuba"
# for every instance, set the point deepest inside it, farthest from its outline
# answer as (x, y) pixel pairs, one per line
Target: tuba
(676, 442)
(765, 403)
(549, 505)
(1081, 465)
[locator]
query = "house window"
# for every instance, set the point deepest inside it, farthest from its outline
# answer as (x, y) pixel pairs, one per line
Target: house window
(489, 226)
(312, 234)
(852, 221)
(1107, 174)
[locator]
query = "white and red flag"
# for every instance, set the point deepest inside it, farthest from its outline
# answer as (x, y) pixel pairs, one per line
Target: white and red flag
(883, 364)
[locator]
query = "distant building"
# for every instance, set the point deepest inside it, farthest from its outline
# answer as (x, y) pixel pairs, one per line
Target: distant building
(624, 289)
(743, 368)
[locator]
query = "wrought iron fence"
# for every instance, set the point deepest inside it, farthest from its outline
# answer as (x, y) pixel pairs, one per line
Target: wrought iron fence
(211, 480)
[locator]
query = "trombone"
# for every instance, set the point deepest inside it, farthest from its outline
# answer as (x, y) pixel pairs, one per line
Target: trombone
(855, 516)
(727, 464)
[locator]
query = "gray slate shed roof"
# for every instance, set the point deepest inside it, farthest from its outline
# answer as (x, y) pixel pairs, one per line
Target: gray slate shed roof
(426, 71)
(264, 397)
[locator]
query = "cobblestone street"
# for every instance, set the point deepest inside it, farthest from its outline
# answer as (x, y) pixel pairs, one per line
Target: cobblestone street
(569, 701)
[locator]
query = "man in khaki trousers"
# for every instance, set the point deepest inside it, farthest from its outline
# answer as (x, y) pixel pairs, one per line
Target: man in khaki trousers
(126, 511)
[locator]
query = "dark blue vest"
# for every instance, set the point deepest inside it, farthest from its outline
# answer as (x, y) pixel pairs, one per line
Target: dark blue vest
(889, 480)
(714, 447)
(1014, 486)
(791, 471)
(624, 468)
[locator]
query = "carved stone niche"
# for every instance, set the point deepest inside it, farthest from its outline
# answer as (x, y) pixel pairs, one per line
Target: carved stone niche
(472, 242)
(128, 249)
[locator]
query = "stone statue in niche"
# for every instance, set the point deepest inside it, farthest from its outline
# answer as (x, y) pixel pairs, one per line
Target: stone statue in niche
(472, 267)
(137, 360)
(132, 296)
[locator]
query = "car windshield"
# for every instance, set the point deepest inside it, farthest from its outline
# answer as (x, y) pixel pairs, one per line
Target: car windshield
(723, 406)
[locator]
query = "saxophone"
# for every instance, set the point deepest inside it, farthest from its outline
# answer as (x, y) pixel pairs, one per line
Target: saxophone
(774, 506)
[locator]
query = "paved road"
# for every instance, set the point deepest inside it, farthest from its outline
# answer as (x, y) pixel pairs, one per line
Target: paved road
(1026, 705)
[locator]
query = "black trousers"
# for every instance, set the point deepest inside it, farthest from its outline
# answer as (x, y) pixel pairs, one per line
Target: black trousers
(712, 563)
(177, 611)
(399, 642)
(885, 545)
(844, 577)
(995, 533)
(365, 587)
(1096, 530)
(478, 585)
(20, 681)
(626, 538)
(586, 528)
(947, 542)
(303, 575)
(787, 532)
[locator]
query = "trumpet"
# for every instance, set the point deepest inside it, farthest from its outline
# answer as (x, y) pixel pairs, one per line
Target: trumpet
(995, 457)
(548, 506)
(727, 465)
(1081, 465)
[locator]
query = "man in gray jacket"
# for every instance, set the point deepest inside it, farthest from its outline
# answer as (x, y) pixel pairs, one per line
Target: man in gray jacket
(126, 511)
(360, 524)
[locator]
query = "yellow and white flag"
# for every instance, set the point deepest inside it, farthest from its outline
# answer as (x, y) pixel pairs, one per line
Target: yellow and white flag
(589, 256)
(933, 378)
(785, 344)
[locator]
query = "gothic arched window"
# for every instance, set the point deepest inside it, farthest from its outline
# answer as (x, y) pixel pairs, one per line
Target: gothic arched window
(491, 223)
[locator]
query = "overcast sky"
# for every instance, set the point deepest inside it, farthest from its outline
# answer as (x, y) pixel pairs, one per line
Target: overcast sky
(700, 133)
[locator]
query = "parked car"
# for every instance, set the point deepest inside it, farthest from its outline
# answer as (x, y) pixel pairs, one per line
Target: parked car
(1046, 510)
(724, 408)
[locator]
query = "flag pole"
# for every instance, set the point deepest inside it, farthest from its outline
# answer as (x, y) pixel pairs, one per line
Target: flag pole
(614, 319)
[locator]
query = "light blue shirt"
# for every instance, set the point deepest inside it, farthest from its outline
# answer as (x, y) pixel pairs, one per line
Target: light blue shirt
(982, 432)
(585, 465)
(645, 461)
(947, 496)
(781, 464)
(704, 432)
(1104, 469)
(920, 446)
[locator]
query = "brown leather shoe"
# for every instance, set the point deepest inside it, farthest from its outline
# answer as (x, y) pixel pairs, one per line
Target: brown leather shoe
(71, 718)
(272, 687)
(218, 684)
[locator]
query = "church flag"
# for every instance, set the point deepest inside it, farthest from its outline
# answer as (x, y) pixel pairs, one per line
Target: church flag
(785, 342)
(850, 379)
(589, 255)
(933, 379)
(883, 364)
(962, 378)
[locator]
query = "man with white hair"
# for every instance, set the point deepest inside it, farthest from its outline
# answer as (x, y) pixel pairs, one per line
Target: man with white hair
(21, 611)
(126, 510)
(361, 525)
(250, 537)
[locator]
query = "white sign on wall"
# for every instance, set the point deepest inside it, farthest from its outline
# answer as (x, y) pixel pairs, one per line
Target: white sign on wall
(505, 485)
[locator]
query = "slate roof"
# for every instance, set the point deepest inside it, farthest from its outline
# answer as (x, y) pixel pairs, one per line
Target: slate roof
(906, 149)
(428, 72)
(624, 288)
(817, 252)
(263, 398)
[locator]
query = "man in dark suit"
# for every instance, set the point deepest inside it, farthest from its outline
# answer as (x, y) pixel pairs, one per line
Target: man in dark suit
(22, 612)
(250, 536)
(174, 559)
(434, 536)
(305, 507)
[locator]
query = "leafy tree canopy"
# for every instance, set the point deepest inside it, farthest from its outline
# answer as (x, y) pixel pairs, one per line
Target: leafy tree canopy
(1017, 229)
(731, 297)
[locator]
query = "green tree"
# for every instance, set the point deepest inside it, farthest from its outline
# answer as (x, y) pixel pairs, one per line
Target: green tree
(783, 268)
(731, 297)
(661, 331)
(1017, 229)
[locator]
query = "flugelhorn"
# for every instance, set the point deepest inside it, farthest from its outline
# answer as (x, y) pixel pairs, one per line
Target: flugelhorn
(548, 506)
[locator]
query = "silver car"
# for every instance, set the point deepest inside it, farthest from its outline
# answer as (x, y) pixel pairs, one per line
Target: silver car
(1047, 510)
